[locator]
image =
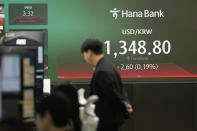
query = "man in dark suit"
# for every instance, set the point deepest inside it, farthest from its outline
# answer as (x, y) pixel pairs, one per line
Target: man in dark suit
(112, 106)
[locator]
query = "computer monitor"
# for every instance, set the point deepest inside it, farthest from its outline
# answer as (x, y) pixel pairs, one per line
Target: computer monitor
(17, 81)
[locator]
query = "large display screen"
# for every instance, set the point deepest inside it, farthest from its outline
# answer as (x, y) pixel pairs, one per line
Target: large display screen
(28, 14)
(146, 40)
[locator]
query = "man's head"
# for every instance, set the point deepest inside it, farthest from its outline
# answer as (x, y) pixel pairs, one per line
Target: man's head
(91, 48)
(70, 91)
(53, 112)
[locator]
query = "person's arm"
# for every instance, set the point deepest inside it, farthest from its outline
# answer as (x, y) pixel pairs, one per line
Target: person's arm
(127, 102)
(129, 107)
(105, 87)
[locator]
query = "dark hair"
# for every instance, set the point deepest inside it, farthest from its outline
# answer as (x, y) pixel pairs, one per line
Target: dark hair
(14, 124)
(70, 91)
(94, 45)
(59, 109)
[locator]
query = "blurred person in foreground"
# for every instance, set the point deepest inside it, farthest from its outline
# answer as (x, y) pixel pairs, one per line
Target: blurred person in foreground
(112, 107)
(70, 91)
(14, 124)
(53, 113)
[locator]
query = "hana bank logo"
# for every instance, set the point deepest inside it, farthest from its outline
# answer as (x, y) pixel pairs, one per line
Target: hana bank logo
(114, 13)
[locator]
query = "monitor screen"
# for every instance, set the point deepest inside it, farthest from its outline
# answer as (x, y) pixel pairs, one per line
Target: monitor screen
(17, 76)
(10, 77)
(28, 14)
(147, 41)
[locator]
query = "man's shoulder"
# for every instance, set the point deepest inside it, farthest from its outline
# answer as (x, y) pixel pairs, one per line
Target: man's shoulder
(105, 65)
(106, 71)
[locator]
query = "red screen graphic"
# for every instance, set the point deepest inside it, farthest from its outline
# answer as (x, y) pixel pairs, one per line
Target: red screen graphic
(2, 20)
